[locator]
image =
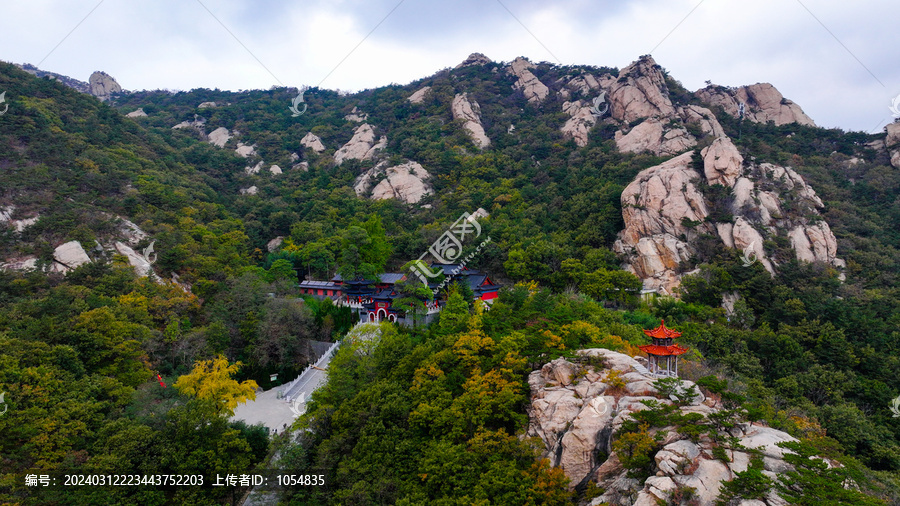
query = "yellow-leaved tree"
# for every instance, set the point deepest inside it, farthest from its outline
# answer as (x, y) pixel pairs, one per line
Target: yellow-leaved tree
(211, 380)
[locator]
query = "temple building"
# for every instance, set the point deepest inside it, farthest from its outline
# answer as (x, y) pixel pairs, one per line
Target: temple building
(374, 300)
(662, 354)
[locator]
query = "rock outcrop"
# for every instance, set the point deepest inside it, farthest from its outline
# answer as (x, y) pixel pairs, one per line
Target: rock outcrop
(198, 124)
(419, 96)
(576, 414)
(534, 90)
(219, 137)
(6, 217)
(103, 85)
(408, 182)
(580, 122)
(313, 142)
(207, 105)
(275, 170)
(654, 135)
(245, 150)
(722, 163)
(254, 169)
(253, 190)
(762, 103)
(356, 115)
(892, 143)
(470, 113)
(141, 266)
(69, 256)
(640, 92)
(137, 113)
(474, 59)
(665, 213)
(640, 98)
(362, 146)
(274, 244)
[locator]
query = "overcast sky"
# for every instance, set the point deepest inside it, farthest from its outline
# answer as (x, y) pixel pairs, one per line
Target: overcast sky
(839, 60)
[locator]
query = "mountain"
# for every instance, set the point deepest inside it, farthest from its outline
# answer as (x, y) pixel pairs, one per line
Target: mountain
(153, 231)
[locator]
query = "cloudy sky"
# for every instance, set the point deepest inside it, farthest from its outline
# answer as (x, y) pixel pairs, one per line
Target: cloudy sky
(839, 60)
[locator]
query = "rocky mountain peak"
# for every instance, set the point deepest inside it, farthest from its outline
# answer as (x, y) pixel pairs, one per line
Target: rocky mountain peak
(762, 103)
(103, 85)
(474, 59)
(640, 92)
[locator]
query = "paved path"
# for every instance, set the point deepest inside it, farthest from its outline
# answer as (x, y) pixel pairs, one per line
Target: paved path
(274, 412)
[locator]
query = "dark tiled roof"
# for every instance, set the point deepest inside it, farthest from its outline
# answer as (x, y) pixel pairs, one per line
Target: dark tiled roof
(391, 277)
(318, 284)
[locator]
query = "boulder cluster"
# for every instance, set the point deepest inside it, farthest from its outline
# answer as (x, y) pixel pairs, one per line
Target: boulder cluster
(576, 411)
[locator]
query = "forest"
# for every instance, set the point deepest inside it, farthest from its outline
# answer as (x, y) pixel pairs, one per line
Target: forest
(426, 414)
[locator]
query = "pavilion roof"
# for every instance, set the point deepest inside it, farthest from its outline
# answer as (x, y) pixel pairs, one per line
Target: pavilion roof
(663, 351)
(662, 332)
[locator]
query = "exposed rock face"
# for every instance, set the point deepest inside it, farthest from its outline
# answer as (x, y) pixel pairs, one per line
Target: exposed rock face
(580, 123)
(20, 225)
(245, 150)
(255, 169)
(304, 166)
(137, 113)
(640, 92)
(408, 182)
(253, 190)
(655, 207)
(534, 90)
(470, 113)
(584, 85)
(356, 115)
(313, 142)
(274, 244)
(703, 117)
(722, 163)
(198, 124)
(275, 170)
(576, 416)
(762, 101)
(419, 96)
(664, 213)
(219, 137)
(102, 85)
(361, 146)
(130, 232)
(140, 264)
(474, 59)
(654, 136)
(892, 143)
(207, 105)
(27, 263)
(69, 256)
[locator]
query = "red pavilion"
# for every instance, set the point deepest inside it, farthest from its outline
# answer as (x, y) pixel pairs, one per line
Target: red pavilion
(662, 355)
